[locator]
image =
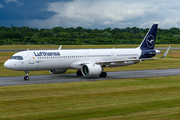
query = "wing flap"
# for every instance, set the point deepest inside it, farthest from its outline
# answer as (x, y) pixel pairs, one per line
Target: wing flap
(117, 61)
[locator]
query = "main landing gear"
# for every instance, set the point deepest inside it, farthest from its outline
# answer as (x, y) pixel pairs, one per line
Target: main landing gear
(103, 74)
(79, 73)
(26, 77)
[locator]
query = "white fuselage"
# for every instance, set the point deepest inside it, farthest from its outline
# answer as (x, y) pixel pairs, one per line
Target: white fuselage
(69, 59)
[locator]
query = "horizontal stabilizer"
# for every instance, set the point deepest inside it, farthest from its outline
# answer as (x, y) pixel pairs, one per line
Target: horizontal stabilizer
(165, 54)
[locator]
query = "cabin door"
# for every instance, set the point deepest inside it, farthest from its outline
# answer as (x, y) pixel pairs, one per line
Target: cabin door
(31, 58)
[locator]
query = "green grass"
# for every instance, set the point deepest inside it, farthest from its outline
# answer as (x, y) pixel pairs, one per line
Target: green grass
(78, 46)
(136, 99)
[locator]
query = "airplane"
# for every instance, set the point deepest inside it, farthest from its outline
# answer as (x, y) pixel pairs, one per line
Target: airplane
(88, 62)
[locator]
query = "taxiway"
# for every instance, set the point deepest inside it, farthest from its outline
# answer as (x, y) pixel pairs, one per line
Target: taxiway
(62, 78)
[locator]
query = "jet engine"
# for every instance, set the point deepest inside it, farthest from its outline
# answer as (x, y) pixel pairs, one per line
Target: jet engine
(60, 71)
(91, 70)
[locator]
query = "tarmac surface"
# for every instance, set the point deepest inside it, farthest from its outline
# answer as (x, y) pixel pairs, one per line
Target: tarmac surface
(62, 78)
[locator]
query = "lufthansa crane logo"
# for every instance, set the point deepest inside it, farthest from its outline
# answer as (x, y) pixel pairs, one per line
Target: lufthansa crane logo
(150, 41)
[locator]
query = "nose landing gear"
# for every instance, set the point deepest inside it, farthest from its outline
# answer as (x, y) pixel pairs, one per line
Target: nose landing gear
(26, 77)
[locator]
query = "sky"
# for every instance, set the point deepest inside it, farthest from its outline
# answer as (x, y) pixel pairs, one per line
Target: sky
(91, 14)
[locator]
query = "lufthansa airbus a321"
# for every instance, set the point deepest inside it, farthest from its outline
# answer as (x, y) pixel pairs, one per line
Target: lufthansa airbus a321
(88, 62)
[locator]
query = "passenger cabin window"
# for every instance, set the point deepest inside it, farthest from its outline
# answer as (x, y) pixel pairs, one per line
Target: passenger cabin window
(17, 57)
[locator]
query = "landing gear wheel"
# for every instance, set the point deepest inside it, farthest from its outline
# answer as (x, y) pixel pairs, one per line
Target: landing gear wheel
(103, 74)
(26, 77)
(79, 73)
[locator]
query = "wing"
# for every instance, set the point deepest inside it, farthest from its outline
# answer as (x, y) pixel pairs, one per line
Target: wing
(79, 64)
(131, 60)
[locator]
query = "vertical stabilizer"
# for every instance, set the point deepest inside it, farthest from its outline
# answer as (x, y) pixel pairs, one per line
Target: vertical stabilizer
(148, 42)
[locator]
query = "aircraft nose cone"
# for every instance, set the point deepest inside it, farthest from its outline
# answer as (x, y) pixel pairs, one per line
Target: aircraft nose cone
(7, 65)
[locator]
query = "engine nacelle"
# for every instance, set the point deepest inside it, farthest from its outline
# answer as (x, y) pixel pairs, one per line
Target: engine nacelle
(60, 71)
(91, 70)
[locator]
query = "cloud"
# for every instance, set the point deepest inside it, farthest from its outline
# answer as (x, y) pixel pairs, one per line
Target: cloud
(19, 2)
(48, 23)
(115, 13)
(87, 14)
(1, 6)
(31, 10)
(7, 1)
(92, 13)
(169, 22)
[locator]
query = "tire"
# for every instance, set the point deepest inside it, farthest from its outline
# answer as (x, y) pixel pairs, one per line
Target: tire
(26, 77)
(79, 73)
(103, 74)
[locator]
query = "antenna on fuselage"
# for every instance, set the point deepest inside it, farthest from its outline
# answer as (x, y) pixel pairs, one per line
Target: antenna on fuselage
(28, 49)
(60, 47)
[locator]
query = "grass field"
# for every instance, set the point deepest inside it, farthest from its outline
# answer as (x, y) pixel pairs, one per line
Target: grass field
(78, 46)
(136, 99)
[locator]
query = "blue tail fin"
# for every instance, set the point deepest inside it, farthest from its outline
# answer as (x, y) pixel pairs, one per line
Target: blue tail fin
(149, 40)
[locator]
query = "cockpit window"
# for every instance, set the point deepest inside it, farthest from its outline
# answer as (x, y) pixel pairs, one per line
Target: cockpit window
(17, 57)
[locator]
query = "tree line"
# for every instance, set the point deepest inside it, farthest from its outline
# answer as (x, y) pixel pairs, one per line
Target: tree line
(82, 36)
